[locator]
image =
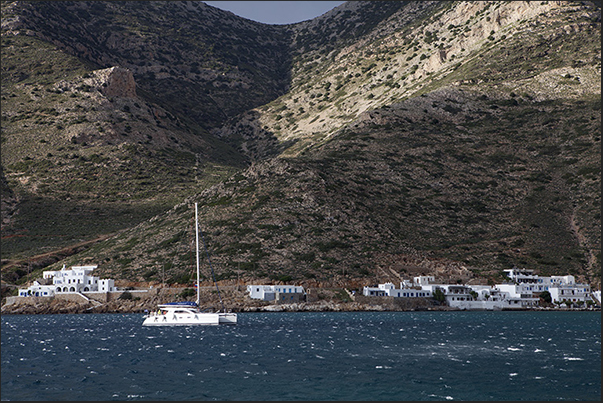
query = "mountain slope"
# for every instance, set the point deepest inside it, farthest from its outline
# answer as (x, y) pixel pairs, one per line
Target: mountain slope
(198, 60)
(400, 187)
(426, 45)
(107, 108)
(453, 138)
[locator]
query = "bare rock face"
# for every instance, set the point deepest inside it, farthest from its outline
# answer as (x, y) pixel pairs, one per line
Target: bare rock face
(117, 82)
(9, 203)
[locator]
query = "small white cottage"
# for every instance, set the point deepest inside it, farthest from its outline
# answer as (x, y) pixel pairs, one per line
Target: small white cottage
(280, 293)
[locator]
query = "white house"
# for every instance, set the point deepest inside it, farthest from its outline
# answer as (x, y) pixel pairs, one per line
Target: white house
(522, 292)
(481, 297)
(76, 280)
(106, 285)
(423, 280)
(454, 293)
(561, 288)
(412, 293)
(382, 290)
(476, 296)
(571, 293)
(280, 293)
(389, 290)
(37, 290)
(522, 275)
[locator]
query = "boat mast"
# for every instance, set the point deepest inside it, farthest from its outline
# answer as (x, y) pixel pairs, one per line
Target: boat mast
(213, 275)
(197, 242)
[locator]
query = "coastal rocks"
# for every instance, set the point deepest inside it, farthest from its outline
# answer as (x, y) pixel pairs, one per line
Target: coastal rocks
(374, 304)
(44, 305)
(322, 306)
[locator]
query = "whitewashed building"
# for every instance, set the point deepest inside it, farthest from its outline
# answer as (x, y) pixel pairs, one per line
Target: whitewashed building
(423, 280)
(455, 294)
(472, 297)
(561, 288)
(280, 293)
(412, 293)
(382, 290)
(522, 291)
(389, 290)
(579, 293)
(37, 290)
(78, 279)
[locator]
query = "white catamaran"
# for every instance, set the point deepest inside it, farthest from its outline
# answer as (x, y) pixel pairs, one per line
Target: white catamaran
(188, 313)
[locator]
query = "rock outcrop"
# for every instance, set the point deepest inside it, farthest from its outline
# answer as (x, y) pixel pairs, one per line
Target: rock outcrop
(117, 82)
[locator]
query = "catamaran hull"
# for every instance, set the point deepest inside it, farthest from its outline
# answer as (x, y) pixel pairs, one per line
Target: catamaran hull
(228, 318)
(201, 319)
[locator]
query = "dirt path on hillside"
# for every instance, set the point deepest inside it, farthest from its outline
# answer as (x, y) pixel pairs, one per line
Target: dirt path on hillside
(48, 258)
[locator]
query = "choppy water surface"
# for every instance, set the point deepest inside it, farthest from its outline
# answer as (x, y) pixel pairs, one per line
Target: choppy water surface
(306, 356)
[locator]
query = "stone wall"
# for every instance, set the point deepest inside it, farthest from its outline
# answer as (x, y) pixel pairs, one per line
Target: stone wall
(113, 295)
(397, 303)
(73, 297)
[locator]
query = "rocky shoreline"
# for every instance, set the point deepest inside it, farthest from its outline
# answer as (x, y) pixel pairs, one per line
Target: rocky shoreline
(65, 307)
(32, 306)
(233, 300)
(70, 307)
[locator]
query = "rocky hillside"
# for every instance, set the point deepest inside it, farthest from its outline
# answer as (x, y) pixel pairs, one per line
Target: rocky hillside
(109, 116)
(494, 47)
(379, 141)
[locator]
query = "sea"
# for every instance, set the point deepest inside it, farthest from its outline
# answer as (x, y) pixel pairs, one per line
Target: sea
(277, 356)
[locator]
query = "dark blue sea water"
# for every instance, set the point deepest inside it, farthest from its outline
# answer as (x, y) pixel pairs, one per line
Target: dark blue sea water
(306, 356)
